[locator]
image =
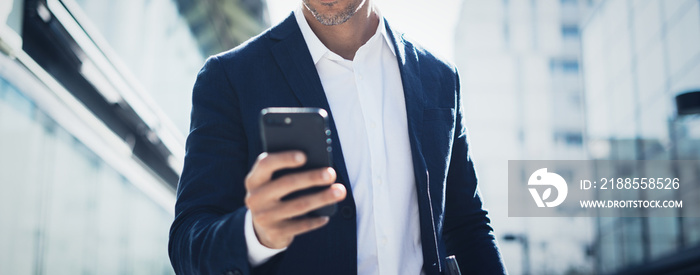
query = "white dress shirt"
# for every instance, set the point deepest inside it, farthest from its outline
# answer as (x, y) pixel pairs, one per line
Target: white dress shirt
(366, 98)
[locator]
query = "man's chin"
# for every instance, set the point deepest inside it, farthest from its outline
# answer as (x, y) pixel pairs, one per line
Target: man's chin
(333, 21)
(332, 12)
(332, 18)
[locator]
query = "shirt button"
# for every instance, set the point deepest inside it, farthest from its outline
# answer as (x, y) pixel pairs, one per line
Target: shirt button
(384, 240)
(378, 181)
(359, 76)
(372, 125)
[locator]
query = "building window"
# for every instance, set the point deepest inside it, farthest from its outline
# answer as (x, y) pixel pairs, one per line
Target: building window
(570, 66)
(569, 138)
(566, 66)
(569, 31)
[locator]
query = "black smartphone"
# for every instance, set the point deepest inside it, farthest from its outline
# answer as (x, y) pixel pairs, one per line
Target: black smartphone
(303, 129)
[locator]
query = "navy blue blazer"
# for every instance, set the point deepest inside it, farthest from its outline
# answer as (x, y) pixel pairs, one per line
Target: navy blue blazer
(276, 69)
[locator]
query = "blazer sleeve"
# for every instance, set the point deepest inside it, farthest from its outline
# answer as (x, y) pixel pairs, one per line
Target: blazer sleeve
(466, 230)
(207, 235)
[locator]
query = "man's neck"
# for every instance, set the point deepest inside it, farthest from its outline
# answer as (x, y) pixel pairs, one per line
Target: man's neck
(346, 38)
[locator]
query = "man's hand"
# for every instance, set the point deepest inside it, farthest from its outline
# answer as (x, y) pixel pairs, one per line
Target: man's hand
(272, 217)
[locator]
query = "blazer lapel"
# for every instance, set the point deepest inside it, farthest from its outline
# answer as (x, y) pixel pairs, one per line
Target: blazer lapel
(293, 57)
(414, 95)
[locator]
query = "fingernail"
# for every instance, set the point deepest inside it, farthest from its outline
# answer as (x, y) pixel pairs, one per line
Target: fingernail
(337, 193)
(298, 157)
(326, 175)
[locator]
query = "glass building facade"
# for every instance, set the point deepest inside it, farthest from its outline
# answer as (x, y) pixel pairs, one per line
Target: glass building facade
(64, 209)
(94, 105)
(157, 46)
(638, 57)
(520, 69)
(576, 79)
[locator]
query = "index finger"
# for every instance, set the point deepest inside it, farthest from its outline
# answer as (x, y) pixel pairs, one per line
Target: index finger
(268, 163)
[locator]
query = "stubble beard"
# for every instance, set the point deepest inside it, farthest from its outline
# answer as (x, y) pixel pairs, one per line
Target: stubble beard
(333, 19)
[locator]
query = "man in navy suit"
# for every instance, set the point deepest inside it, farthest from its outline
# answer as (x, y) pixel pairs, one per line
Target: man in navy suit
(403, 179)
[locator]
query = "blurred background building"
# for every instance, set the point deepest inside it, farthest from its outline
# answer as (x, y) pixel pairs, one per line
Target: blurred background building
(521, 75)
(580, 79)
(94, 107)
(642, 92)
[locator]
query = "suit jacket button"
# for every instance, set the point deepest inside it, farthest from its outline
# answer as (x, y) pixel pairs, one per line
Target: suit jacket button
(234, 272)
(347, 212)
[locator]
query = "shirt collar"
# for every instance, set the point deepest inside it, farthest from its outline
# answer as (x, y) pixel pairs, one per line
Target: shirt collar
(316, 47)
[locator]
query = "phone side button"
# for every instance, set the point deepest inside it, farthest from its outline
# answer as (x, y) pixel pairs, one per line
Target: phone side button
(347, 212)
